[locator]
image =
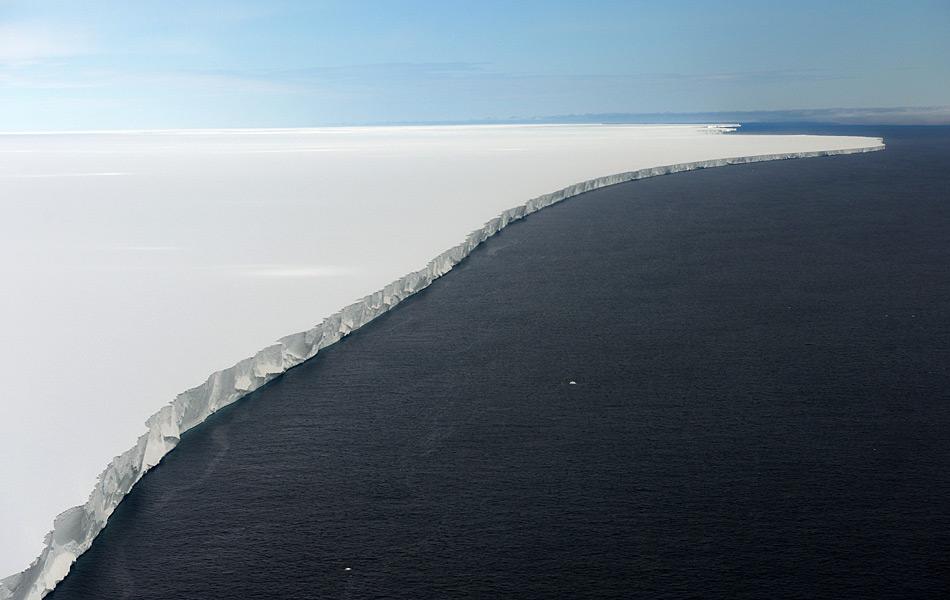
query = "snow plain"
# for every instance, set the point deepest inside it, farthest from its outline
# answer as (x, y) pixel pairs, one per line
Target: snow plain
(135, 264)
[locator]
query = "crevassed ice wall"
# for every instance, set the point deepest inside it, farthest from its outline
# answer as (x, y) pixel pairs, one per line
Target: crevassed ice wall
(75, 529)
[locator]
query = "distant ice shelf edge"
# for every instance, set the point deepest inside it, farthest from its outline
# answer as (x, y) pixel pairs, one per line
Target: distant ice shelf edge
(75, 529)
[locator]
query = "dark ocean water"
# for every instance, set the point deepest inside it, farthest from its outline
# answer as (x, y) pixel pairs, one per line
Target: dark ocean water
(761, 410)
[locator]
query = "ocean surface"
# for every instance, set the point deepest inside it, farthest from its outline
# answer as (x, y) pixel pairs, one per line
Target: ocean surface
(730, 383)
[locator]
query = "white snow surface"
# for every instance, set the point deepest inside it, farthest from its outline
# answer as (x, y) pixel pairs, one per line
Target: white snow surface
(134, 264)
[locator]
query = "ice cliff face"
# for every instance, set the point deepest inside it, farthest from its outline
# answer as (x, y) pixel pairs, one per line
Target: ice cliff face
(75, 529)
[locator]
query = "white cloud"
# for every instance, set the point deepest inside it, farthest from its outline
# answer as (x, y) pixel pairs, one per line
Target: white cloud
(23, 44)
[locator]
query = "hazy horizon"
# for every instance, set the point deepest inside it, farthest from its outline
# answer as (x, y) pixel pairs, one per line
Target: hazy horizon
(885, 116)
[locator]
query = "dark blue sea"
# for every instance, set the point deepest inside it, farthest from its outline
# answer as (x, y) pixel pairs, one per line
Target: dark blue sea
(760, 409)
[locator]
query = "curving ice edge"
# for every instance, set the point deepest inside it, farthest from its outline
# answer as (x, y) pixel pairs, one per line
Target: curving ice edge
(75, 529)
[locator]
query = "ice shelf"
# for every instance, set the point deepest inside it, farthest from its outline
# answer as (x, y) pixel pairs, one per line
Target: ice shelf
(75, 529)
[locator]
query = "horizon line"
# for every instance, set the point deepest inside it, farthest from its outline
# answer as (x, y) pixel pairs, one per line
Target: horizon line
(937, 115)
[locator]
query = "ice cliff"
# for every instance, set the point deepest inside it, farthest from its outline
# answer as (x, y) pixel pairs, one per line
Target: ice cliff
(75, 529)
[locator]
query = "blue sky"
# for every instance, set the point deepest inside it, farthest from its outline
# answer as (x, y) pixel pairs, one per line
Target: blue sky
(276, 63)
